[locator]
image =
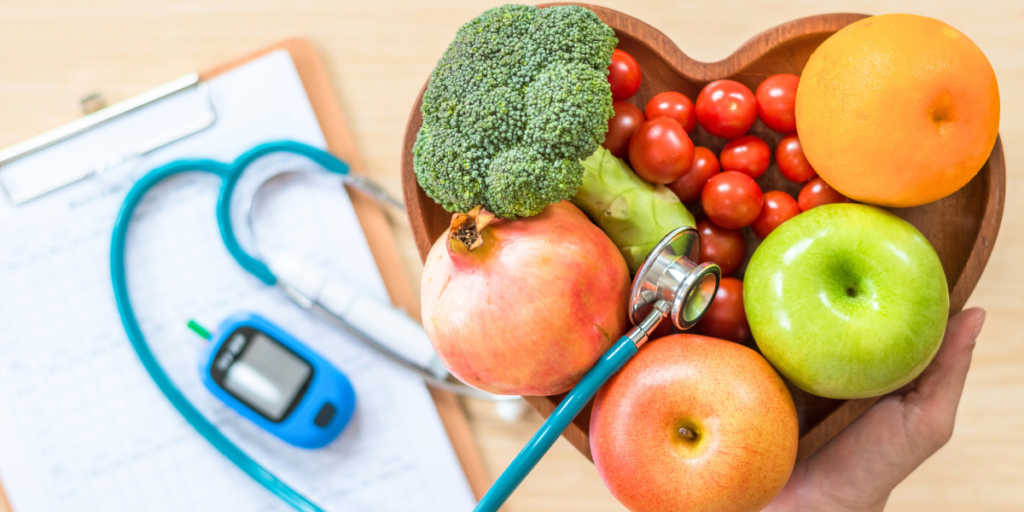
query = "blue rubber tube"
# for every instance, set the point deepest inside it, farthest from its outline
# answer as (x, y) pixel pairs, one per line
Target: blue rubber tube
(229, 174)
(610, 363)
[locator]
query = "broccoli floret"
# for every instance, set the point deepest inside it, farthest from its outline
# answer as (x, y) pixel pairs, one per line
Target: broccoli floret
(520, 96)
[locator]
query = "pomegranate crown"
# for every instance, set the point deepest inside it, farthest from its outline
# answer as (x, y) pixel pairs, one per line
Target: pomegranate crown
(464, 233)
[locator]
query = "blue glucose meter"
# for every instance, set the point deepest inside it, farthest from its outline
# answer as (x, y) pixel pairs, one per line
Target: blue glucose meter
(277, 382)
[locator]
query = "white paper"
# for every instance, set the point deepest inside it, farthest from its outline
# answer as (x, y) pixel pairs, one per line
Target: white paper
(82, 426)
(92, 151)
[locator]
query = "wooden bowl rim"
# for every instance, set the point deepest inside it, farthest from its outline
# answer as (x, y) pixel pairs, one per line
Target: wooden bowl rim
(745, 55)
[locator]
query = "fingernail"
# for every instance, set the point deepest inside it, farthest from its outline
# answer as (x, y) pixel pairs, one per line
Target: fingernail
(978, 324)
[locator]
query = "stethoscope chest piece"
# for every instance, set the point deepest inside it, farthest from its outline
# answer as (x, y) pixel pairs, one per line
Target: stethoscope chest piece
(670, 284)
(671, 275)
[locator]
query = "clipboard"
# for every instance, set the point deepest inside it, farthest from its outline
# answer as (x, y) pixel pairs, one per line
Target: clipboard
(376, 228)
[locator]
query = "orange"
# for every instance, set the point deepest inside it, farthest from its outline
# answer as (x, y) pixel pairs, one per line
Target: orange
(897, 110)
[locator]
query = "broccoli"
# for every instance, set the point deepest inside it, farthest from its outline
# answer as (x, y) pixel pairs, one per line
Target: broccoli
(520, 96)
(632, 212)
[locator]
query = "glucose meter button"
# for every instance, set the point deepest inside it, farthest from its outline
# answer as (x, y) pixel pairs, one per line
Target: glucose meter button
(326, 414)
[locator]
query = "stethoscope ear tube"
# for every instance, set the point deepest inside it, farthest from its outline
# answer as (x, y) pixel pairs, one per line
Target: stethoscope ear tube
(146, 356)
(382, 327)
(230, 173)
(435, 374)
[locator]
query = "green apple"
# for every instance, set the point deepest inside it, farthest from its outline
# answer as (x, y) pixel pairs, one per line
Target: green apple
(847, 301)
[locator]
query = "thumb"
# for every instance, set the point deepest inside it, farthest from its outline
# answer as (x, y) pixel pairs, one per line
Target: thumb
(930, 409)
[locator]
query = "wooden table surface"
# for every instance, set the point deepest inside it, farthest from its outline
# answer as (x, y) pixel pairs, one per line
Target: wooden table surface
(379, 52)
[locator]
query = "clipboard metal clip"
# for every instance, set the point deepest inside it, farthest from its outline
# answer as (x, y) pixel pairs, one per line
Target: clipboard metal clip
(26, 174)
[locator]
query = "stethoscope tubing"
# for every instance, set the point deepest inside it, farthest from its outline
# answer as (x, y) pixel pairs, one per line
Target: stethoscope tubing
(229, 173)
(610, 363)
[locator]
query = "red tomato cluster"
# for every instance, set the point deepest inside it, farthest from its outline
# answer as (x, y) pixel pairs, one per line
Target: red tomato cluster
(656, 141)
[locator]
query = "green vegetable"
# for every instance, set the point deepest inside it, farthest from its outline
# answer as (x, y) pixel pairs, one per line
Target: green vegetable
(517, 99)
(635, 214)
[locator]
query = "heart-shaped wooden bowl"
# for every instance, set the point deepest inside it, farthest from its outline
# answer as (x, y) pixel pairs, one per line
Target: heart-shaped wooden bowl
(961, 227)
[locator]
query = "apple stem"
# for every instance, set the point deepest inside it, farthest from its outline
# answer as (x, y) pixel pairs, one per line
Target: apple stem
(687, 433)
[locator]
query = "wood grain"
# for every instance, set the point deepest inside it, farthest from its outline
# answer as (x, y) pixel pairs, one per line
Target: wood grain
(962, 227)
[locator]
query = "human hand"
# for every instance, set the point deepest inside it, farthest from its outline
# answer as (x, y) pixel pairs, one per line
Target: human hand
(857, 469)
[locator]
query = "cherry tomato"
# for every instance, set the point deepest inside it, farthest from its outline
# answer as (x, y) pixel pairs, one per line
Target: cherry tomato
(723, 247)
(725, 318)
(689, 186)
(675, 105)
(747, 154)
(660, 150)
(731, 199)
(663, 329)
(778, 208)
(621, 127)
(816, 193)
(776, 102)
(793, 165)
(726, 109)
(623, 75)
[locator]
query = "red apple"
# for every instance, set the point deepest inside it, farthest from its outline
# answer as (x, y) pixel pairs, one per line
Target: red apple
(694, 423)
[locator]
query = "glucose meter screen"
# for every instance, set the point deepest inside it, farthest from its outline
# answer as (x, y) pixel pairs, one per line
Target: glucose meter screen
(267, 377)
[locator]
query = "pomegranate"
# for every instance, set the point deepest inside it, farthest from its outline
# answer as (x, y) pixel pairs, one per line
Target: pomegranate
(527, 306)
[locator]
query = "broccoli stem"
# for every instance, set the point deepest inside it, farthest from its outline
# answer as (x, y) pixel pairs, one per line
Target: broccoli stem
(635, 214)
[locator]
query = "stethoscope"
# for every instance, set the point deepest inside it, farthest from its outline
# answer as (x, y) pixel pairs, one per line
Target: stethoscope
(299, 293)
(669, 284)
